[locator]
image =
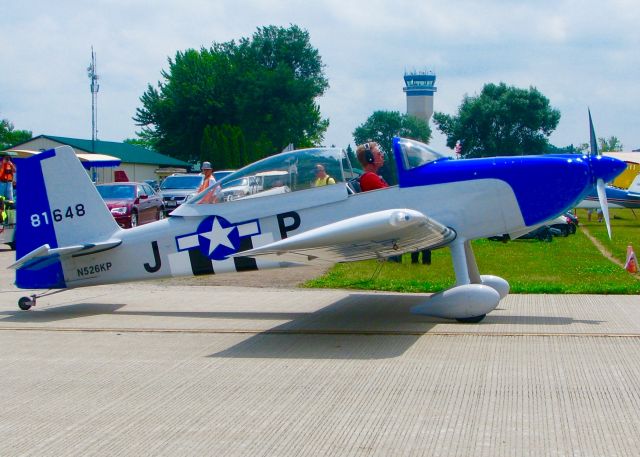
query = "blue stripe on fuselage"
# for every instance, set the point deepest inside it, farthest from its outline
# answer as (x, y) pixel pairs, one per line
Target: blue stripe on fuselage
(618, 196)
(34, 225)
(544, 186)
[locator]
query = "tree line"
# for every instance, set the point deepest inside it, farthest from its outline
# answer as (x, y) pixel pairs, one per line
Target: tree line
(236, 102)
(9, 136)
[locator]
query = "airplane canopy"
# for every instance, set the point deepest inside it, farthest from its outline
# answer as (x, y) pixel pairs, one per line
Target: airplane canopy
(282, 173)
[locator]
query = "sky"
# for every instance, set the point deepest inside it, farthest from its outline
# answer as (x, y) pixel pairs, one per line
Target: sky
(579, 54)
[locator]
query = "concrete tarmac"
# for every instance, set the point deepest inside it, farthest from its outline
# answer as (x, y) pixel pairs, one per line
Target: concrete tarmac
(164, 369)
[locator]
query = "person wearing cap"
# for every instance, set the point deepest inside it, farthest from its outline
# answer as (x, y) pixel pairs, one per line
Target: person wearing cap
(208, 180)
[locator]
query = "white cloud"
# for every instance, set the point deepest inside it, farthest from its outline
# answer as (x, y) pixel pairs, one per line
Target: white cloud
(577, 53)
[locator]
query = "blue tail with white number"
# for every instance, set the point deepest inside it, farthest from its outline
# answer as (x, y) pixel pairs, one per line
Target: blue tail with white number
(57, 217)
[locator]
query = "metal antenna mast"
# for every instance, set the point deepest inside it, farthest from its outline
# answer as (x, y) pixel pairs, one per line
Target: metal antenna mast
(93, 77)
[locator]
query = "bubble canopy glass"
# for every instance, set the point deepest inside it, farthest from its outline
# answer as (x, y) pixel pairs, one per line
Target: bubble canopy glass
(414, 154)
(282, 173)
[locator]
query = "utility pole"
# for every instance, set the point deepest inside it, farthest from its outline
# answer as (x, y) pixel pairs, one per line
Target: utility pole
(93, 77)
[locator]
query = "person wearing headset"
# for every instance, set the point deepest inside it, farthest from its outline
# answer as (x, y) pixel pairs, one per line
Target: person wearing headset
(371, 158)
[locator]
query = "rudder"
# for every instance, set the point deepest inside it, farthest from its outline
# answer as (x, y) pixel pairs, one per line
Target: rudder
(58, 205)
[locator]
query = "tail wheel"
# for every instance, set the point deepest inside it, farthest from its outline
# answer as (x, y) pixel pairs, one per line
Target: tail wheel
(134, 219)
(25, 303)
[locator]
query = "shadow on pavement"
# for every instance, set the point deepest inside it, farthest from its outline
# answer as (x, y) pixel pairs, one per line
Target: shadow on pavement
(536, 320)
(358, 326)
(59, 313)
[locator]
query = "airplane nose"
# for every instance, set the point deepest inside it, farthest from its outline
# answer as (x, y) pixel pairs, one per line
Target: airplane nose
(605, 168)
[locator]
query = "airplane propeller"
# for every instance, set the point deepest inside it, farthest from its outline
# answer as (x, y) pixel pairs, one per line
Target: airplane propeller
(600, 184)
(602, 197)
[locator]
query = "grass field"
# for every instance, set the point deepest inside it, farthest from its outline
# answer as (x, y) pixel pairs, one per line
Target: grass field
(566, 265)
(625, 228)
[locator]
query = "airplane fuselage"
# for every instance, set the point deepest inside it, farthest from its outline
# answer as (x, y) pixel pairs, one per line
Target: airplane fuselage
(70, 239)
(182, 245)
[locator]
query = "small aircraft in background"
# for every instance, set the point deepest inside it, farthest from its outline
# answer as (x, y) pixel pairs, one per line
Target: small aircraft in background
(616, 197)
(67, 238)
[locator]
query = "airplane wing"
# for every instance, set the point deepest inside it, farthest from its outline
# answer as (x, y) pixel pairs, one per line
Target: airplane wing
(374, 235)
(45, 255)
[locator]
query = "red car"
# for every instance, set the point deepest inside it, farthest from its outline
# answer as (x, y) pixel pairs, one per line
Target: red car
(132, 203)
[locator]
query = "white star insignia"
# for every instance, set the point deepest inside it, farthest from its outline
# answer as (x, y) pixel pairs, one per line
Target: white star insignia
(218, 236)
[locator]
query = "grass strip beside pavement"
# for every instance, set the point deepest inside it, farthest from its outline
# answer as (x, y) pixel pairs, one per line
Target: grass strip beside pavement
(625, 230)
(569, 265)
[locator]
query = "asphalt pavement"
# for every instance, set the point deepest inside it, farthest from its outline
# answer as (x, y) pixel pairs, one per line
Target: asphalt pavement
(168, 369)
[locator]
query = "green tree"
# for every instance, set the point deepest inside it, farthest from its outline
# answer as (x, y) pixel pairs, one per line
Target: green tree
(502, 120)
(10, 137)
(351, 154)
(583, 147)
(382, 126)
(224, 146)
(265, 86)
(208, 148)
(569, 149)
(144, 139)
(611, 144)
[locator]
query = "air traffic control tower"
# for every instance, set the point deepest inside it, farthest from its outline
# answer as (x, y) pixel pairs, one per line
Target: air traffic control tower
(420, 87)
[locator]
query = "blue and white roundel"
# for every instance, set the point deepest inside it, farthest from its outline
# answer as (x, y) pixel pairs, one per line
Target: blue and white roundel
(217, 238)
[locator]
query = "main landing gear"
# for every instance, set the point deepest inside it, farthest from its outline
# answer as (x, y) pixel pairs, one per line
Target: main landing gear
(472, 297)
(25, 303)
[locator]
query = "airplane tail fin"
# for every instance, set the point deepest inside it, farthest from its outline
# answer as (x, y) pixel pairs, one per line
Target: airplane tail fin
(57, 205)
(634, 188)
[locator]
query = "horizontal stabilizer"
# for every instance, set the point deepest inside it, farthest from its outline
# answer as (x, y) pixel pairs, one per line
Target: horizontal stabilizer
(369, 236)
(45, 255)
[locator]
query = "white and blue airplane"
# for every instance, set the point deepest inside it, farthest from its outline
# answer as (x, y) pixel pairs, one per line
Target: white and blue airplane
(67, 238)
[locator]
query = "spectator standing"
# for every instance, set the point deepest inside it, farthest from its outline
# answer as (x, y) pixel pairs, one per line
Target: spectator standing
(7, 172)
(426, 257)
(208, 180)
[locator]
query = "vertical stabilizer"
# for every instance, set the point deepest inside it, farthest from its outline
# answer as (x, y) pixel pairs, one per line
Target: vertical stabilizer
(634, 188)
(58, 205)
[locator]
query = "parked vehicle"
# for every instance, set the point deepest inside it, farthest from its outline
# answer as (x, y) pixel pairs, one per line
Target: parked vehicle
(543, 233)
(221, 174)
(176, 188)
(573, 221)
(132, 203)
(239, 188)
(561, 224)
(155, 185)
